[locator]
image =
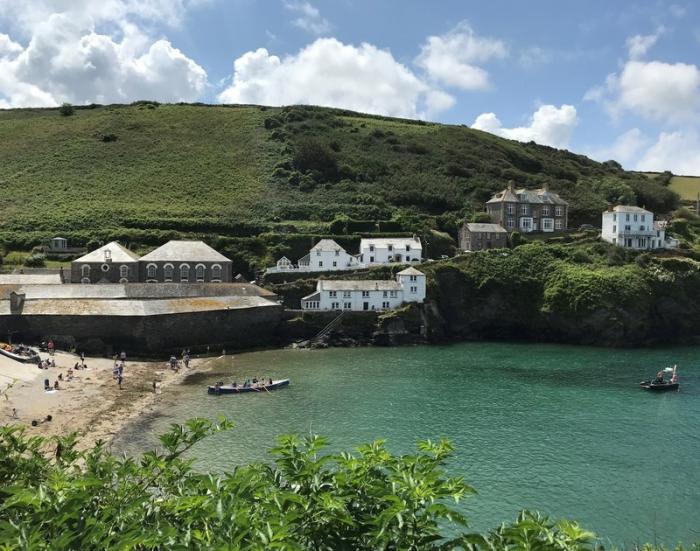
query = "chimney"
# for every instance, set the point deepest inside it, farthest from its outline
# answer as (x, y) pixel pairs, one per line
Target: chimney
(511, 185)
(545, 187)
(16, 302)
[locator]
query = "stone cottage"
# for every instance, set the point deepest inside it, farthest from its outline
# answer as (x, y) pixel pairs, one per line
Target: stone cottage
(185, 262)
(476, 237)
(111, 263)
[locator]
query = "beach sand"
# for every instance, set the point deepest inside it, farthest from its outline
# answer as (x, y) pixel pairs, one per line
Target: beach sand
(91, 403)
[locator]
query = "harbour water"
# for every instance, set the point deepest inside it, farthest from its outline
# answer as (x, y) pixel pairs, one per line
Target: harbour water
(560, 429)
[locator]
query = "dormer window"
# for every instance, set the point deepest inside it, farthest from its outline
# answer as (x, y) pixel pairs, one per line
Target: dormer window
(108, 255)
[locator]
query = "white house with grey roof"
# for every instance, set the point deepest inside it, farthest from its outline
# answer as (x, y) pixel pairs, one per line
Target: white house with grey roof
(367, 295)
(326, 256)
(111, 263)
(185, 262)
(388, 250)
(635, 228)
(528, 210)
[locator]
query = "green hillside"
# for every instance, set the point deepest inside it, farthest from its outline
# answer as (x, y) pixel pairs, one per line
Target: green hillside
(259, 182)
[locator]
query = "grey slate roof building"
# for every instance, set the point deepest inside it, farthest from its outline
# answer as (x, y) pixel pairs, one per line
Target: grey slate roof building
(477, 236)
(111, 263)
(528, 210)
(185, 262)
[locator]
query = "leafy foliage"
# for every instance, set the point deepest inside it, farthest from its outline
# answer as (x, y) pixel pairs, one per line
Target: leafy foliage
(55, 497)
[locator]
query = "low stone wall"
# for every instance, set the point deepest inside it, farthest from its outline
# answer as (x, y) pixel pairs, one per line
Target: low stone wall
(232, 329)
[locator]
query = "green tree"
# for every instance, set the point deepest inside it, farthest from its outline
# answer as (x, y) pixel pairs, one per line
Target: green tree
(66, 110)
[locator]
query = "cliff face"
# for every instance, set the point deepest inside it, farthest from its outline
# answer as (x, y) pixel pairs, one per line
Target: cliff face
(538, 293)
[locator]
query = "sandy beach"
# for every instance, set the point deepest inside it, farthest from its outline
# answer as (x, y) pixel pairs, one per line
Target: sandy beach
(91, 403)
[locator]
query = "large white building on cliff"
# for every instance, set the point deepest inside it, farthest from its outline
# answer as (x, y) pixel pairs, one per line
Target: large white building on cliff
(635, 228)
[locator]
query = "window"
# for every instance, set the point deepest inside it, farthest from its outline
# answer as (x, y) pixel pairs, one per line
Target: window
(85, 270)
(318, 253)
(320, 263)
(216, 273)
(413, 278)
(151, 271)
(545, 211)
(199, 272)
(628, 228)
(337, 253)
(547, 224)
(510, 209)
(614, 217)
(385, 294)
(371, 248)
(365, 294)
(347, 305)
(558, 211)
(414, 290)
(408, 248)
(510, 223)
(335, 306)
(123, 271)
(385, 305)
(627, 217)
(643, 217)
(335, 264)
(558, 224)
(391, 248)
(641, 228)
(184, 272)
(635, 217)
(168, 270)
(523, 209)
(614, 229)
(346, 294)
(392, 294)
(333, 294)
(371, 259)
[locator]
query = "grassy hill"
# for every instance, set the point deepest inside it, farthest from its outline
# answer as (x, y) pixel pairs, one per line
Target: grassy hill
(259, 182)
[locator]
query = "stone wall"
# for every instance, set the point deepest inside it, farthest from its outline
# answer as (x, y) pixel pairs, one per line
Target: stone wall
(232, 329)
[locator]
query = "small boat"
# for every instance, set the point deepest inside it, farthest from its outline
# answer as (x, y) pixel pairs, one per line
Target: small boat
(661, 383)
(219, 388)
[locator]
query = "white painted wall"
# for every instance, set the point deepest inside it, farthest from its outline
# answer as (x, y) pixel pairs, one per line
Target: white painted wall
(329, 260)
(632, 230)
(373, 252)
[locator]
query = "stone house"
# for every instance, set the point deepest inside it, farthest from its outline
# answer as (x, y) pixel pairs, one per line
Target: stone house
(111, 263)
(635, 228)
(386, 250)
(523, 210)
(185, 262)
(476, 237)
(367, 295)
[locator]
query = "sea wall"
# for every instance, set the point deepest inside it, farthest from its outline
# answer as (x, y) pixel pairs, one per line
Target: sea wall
(236, 328)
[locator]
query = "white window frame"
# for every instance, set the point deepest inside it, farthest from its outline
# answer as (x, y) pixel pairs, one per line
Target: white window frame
(168, 269)
(85, 270)
(347, 305)
(182, 271)
(365, 294)
(216, 273)
(558, 224)
(124, 271)
(333, 294)
(558, 211)
(347, 294)
(200, 268)
(151, 271)
(414, 290)
(510, 209)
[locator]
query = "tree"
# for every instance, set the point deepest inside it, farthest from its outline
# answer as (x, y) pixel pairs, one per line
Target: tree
(56, 497)
(66, 110)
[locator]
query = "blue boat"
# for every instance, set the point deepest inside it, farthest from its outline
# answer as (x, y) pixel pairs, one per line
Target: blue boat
(220, 388)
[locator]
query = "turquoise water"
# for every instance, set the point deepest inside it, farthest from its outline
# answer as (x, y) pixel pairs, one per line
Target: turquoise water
(560, 429)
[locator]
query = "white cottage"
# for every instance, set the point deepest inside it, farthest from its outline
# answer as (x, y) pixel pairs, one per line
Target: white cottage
(385, 250)
(634, 228)
(326, 256)
(366, 295)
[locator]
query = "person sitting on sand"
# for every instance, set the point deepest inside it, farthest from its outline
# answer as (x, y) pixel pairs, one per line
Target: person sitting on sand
(55, 385)
(47, 385)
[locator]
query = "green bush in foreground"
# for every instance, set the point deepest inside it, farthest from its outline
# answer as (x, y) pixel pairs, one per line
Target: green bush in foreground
(55, 497)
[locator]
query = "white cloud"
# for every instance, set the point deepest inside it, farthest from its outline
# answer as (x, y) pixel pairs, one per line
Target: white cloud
(624, 149)
(549, 125)
(452, 58)
(330, 73)
(639, 44)
(677, 151)
(67, 59)
(309, 19)
(668, 92)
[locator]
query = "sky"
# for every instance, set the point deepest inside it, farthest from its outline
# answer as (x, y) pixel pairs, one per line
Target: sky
(611, 80)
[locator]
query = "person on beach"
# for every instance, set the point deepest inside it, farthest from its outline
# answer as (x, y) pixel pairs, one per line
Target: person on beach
(55, 385)
(47, 384)
(119, 381)
(186, 360)
(14, 413)
(50, 346)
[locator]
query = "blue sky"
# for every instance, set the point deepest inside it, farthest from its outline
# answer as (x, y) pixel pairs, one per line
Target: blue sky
(608, 79)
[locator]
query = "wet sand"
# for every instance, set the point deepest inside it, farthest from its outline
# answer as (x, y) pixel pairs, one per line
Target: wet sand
(91, 403)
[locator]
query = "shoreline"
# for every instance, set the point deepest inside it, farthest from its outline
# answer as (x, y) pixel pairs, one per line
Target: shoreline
(90, 404)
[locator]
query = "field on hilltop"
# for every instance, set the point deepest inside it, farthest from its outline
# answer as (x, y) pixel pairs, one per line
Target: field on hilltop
(260, 182)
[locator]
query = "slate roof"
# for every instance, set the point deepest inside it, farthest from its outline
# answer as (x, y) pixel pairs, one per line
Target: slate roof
(630, 209)
(384, 242)
(410, 271)
(485, 228)
(531, 196)
(185, 251)
(327, 245)
(358, 285)
(120, 254)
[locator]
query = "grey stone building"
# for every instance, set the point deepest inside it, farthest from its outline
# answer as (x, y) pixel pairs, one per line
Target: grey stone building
(528, 210)
(476, 237)
(185, 262)
(111, 263)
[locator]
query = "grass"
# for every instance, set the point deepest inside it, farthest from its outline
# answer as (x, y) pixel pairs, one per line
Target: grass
(688, 187)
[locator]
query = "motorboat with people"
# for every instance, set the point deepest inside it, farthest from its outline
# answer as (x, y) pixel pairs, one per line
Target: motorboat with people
(666, 379)
(254, 385)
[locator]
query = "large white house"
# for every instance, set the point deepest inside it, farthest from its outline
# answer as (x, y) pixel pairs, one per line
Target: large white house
(327, 255)
(366, 295)
(634, 228)
(385, 250)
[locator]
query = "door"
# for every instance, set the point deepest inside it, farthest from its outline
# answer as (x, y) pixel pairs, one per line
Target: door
(365, 305)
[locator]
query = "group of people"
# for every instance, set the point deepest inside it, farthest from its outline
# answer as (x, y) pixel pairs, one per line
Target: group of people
(45, 364)
(253, 383)
(174, 363)
(118, 368)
